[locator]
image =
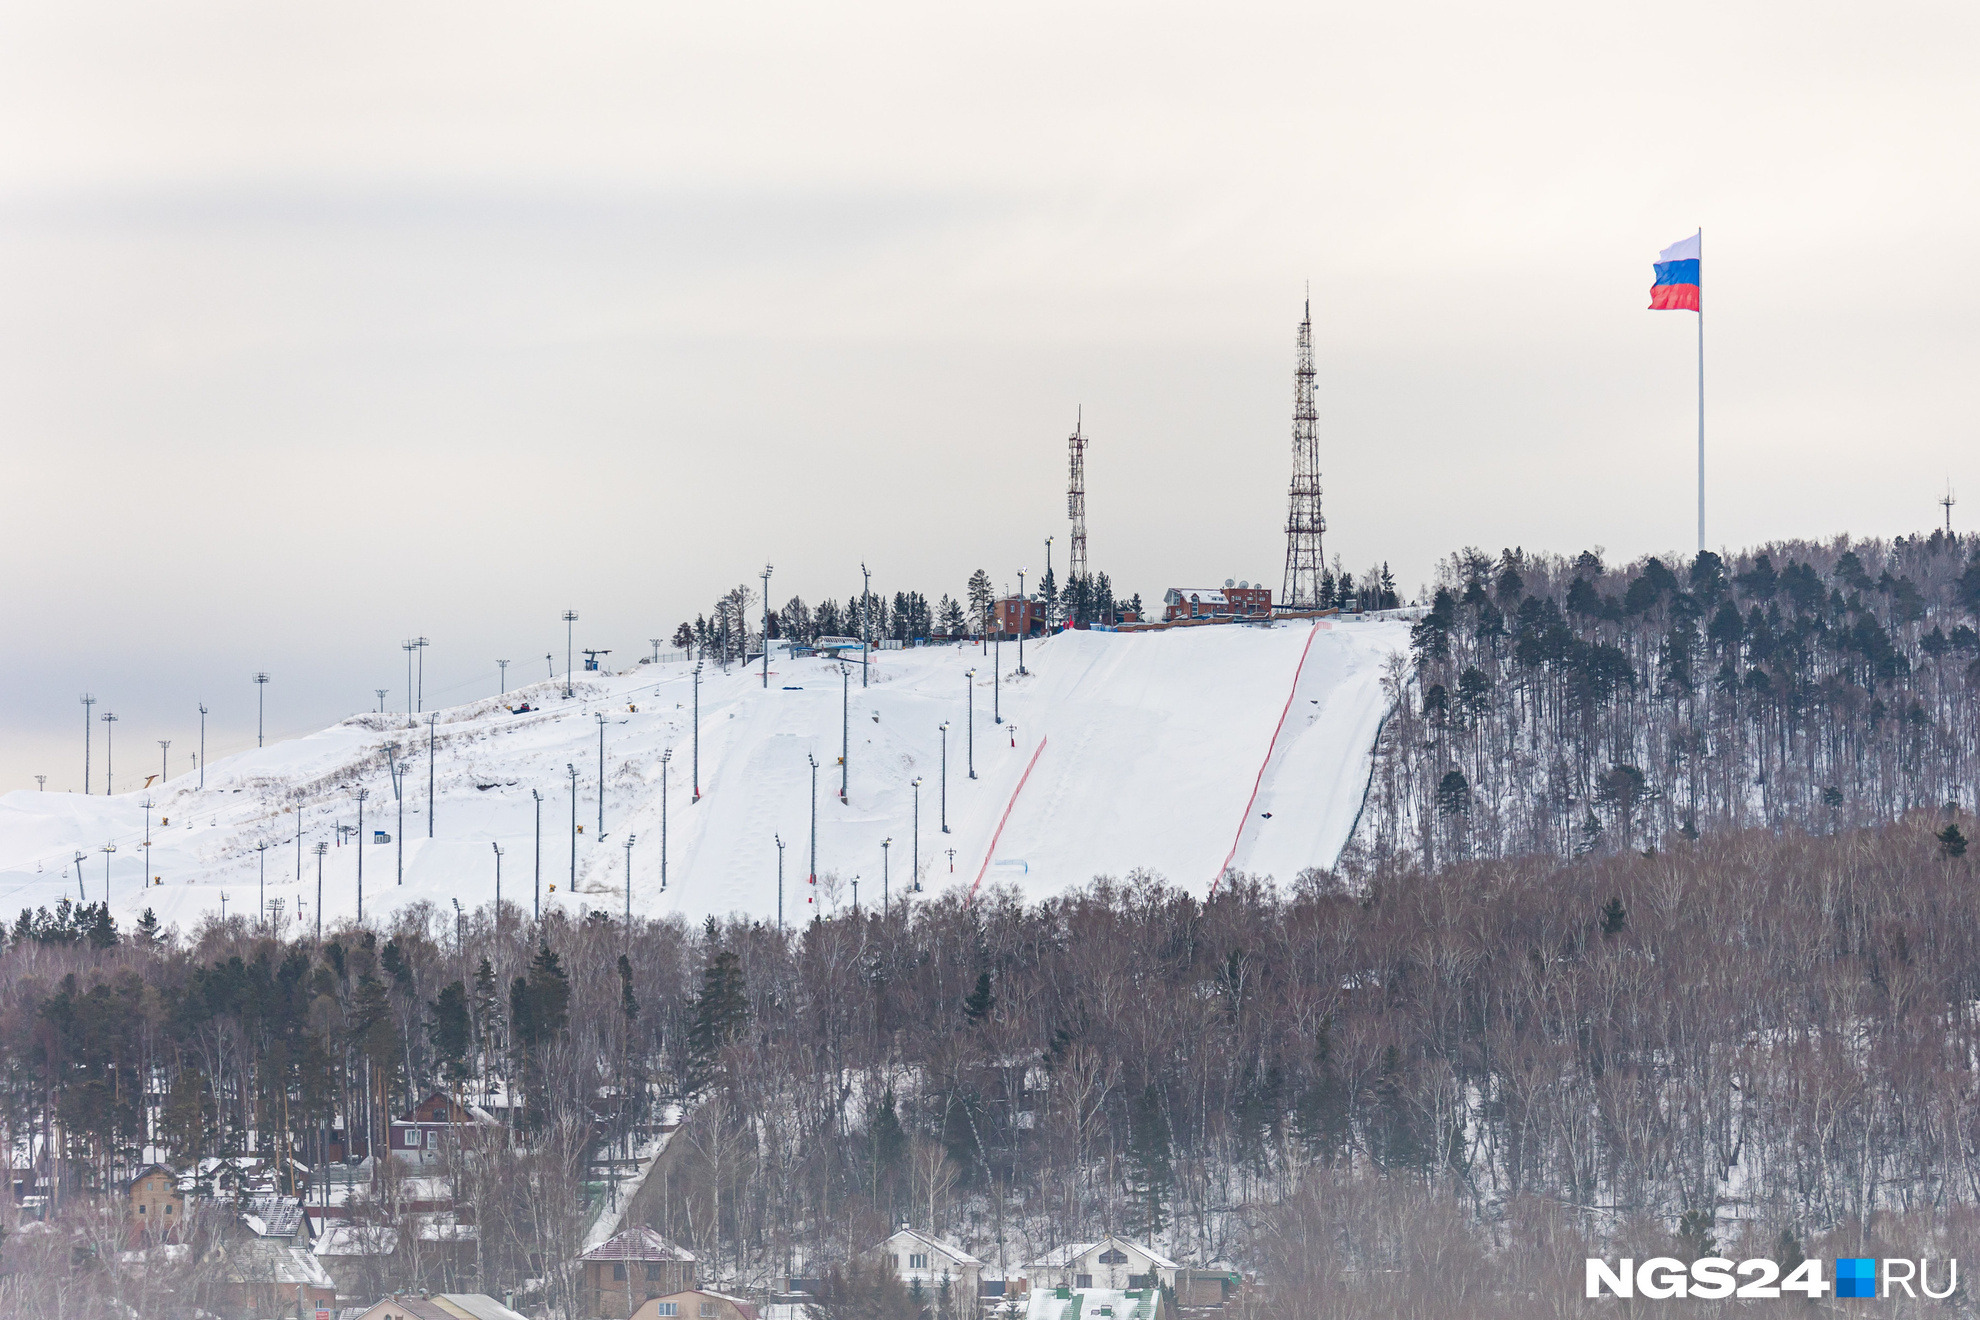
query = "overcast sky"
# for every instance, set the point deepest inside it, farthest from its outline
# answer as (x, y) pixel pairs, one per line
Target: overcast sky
(323, 325)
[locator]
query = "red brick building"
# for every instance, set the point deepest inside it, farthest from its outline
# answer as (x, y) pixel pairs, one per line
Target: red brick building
(1232, 600)
(1016, 614)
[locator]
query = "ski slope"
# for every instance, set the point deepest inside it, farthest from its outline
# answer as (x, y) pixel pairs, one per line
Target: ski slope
(1174, 752)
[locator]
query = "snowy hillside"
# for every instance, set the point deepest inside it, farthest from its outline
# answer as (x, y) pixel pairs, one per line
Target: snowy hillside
(1172, 751)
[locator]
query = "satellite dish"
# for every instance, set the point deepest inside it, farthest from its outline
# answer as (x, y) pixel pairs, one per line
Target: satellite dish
(1230, 582)
(1242, 585)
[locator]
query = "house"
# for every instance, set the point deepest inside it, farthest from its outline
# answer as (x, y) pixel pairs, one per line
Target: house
(1095, 1304)
(437, 1124)
(158, 1207)
(1112, 1262)
(1015, 615)
(437, 1306)
(1230, 601)
(630, 1268)
(358, 1258)
(918, 1258)
(697, 1304)
(268, 1276)
(1207, 1289)
(276, 1216)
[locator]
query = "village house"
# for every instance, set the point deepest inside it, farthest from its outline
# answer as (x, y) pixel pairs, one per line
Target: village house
(158, 1207)
(697, 1304)
(1112, 1262)
(438, 1124)
(631, 1268)
(918, 1258)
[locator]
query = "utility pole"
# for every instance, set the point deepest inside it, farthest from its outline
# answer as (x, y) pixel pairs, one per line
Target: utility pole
(320, 849)
(766, 627)
(845, 729)
(697, 730)
(88, 700)
(572, 769)
(601, 772)
(779, 839)
(41, 783)
(969, 691)
(108, 720)
(202, 744)
(915, 784)
(106, 850)
(656, 648)
(537, 908)
(570, 617)
(260, 691)
(432, 747)
(945, 776)
(503, 676)
(665, 757)
(419, 686)
(164, 761)
(362, 794)
(381, 698)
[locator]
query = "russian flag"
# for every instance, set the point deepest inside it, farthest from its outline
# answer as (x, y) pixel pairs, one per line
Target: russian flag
(1676, 287)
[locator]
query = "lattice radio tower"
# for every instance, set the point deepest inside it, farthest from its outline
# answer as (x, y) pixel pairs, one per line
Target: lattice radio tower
(1304, 522)
(1076, 498)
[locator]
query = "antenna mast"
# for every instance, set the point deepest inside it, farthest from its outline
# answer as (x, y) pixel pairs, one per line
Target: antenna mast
(1076, 499)
(1304, 522)
(1948, 501)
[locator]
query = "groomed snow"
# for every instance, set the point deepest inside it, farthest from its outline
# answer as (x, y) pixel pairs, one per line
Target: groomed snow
(1142, 750)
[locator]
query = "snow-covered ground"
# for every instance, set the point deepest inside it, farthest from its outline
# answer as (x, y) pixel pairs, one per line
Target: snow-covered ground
(1116, 751)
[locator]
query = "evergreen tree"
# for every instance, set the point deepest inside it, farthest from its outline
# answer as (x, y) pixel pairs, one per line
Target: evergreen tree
(889, 1145)
(981, 595)
(149, 933)
(449, 1033)
(103, 929)
(977, 1006)
(721, 1012)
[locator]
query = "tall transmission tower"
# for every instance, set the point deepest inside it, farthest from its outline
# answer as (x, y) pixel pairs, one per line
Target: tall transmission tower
(1304, 522)
(1076, 499)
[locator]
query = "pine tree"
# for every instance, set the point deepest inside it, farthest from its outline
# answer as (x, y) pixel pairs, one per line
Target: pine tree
(449, 1032)
(721, 1011)
(980, 1001)
(981, 595)
(1615, 917)
(889, 1144)
(149, 932)
(103, 928)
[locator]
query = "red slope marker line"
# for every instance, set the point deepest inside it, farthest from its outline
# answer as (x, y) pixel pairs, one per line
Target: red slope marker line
(1269, 748)
(1005, 817)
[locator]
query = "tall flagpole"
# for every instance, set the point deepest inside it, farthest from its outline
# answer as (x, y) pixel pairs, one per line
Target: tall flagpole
(1701, 392)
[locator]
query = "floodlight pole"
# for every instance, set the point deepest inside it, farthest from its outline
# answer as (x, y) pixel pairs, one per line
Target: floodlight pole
(202, 744)
(601, 772)
(164, 761)
(945, 776)
(915, 784)
(398, 773)
(81, 897)
(845, 729)
(766, 627)
(409, 646)
(362, 794)
(997, 680)
(419, 686)
(146, 877)
(1021, 621)
(88, 700)
(262, 848)
(697, 730)
(106, 850)
(779, 840)
(629, 844)
(537, 912)
(812, 878)
(498, 884)
(969, 690)
(570, 617)
(260, 691)
(432, 747)
(572, 769)
(886, 847)
(41, 783)
(503, 667)
(108, 783)
(865, 616)
(381, 698)
(665, 757)
(321, 848)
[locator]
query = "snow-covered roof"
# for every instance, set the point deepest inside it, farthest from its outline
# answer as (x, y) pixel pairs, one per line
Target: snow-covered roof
(1064, 1257)
(1089, 1303)
(357, 1240)
(265, 1260)
(481, 1306)
(442, 1226)
(640, 1243)
(273, 1215)
(949, 1249)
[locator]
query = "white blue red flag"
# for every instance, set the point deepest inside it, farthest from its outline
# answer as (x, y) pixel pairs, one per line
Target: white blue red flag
(1676, 287)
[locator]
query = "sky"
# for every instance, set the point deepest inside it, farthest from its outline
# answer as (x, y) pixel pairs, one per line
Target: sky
(323, 326)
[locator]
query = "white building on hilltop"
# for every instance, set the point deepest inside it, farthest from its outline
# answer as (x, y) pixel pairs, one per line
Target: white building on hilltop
(918, 1258)
(1112, 1262)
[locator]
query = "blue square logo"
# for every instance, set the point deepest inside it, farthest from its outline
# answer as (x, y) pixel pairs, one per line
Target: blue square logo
(1856, 1276)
